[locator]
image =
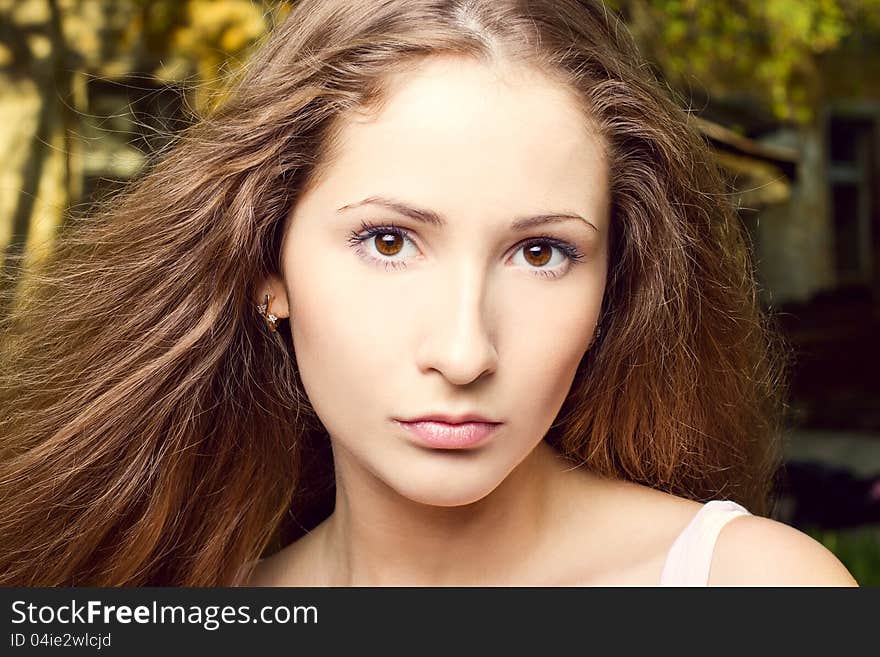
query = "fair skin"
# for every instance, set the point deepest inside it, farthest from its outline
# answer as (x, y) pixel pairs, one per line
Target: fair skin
(467, 330)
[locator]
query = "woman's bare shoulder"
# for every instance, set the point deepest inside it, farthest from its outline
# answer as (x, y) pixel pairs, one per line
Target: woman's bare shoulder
(271, 571)
(750, 550)
(637, 525)
(287, 567)
(639, 509)
(758, 551)
(260, 573)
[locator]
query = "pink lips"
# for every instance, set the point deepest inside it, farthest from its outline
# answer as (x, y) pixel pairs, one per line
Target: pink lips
(444, 435)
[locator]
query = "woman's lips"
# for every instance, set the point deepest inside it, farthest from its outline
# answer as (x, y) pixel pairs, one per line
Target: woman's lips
(442, 435)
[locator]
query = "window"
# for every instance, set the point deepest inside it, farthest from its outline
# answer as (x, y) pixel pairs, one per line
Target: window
(851, 174)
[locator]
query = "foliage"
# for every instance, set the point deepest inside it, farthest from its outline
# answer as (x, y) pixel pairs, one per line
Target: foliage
(197, 41)
(759, 51)
(202, 37)
(764, 50)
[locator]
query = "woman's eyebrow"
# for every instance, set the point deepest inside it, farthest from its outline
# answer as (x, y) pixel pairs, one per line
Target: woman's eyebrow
(435, 219)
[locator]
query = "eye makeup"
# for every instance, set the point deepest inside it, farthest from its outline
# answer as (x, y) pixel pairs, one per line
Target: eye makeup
(369, 230)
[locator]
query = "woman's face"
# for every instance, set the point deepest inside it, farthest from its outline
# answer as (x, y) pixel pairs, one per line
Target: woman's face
(455, 310)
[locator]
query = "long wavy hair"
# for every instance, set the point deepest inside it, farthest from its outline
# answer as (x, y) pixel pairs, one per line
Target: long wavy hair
(155, 433)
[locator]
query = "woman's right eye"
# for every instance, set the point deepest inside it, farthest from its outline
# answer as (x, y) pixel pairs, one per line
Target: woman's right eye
(377, 243)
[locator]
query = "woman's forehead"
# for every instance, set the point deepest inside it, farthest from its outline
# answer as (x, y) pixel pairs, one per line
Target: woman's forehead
(455, 127)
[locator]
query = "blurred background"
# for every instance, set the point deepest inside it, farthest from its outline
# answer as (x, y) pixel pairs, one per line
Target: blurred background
(787, 93)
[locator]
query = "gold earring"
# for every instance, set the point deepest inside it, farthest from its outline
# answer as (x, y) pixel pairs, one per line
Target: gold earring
(271, 320)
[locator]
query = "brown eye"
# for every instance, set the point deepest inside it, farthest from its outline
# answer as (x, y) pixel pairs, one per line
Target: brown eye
(539, 258)
(379, 244)
(388, 243)
(538, 254)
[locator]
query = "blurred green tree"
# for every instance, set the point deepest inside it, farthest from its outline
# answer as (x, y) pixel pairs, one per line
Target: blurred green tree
(51, 49)
(763, 50)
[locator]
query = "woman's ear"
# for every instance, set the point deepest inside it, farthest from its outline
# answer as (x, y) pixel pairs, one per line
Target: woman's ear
(274, 287)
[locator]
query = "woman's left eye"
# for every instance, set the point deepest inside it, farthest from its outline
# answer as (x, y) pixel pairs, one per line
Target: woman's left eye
(389, 240)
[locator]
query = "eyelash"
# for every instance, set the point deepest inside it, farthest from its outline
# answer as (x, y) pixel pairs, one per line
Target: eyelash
(369, 230)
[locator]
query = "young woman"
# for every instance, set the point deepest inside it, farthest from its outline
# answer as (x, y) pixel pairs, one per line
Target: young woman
(445, 292)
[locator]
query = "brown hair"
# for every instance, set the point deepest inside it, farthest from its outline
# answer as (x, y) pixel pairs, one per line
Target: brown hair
(154, 433)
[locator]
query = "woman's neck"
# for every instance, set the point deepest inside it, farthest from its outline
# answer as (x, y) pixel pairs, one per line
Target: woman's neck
(377, 537)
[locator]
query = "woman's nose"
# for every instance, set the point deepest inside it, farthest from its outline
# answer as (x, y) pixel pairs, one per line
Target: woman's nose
(458, 335)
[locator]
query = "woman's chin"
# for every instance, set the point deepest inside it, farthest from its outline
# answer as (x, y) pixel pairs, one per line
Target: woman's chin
(446, 493)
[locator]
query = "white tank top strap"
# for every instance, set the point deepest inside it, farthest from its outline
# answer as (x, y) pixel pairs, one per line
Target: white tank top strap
(689, 558)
